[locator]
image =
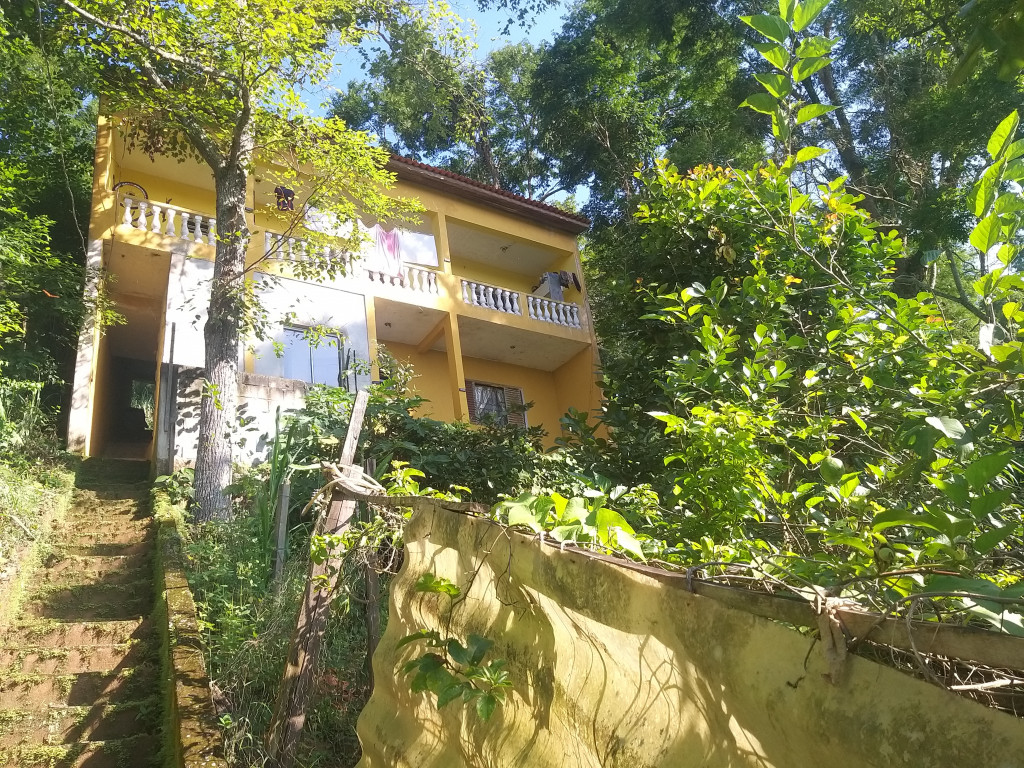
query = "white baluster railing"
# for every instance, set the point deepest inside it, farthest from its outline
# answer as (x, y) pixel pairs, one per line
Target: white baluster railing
(162, 219)
(550, 311)
(491, 297)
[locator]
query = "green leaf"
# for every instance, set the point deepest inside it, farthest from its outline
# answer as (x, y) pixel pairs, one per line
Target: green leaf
(806, 12)
(849, 484)
(478, 646)
(440, 585)
(775, 54)
(576, 511)
(423, 634)
(948, 426)
(892, 518)
(786, 9)
(831, 470)
(814, 46)
(769, 25)
(810, 153)
(987, 233)
(485, 706)
(626, 541)
(991, 539)
(761, 102)
(807, 67)
(777, 85)
(984, 192)
(811, 111)
(1010, 309)
(1003, 135)
(981, 471)
(520, 514)
(986, 504)
(450, 694)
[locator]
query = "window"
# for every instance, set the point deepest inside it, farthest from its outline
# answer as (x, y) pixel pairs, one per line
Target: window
(493, 402)
(318, 360)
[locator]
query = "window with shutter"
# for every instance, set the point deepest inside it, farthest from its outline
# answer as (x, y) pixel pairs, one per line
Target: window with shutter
(494, 402)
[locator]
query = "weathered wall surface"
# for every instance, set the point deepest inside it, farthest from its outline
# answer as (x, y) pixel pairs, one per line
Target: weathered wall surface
(613, 668)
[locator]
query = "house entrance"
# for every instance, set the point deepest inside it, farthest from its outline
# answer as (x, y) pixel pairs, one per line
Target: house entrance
(130, 408)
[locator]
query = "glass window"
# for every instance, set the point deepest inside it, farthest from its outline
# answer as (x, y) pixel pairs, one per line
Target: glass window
(490, 403)
(314, 362)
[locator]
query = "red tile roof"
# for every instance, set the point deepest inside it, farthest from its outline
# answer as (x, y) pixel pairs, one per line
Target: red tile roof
(519, 204)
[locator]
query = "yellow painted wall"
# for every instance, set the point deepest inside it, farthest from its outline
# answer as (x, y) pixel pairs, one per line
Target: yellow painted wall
(537, 386)
(613, 667)
(181, 195)
(485, 273)
(101, 399)
(576, 383)
(431, 380)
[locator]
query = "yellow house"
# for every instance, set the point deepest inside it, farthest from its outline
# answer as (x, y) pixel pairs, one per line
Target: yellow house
(484, 296)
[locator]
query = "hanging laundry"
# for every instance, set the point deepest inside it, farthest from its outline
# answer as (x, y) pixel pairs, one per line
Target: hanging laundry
(285, 198)
(389, 251)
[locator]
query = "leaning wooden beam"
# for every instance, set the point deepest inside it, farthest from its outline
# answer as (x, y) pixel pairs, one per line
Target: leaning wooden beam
(981, 646)
(321, 585)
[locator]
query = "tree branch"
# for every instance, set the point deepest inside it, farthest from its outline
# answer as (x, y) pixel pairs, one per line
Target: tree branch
(155, 50)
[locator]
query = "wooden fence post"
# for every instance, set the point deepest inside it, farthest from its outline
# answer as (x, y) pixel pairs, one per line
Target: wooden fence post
(321, 584)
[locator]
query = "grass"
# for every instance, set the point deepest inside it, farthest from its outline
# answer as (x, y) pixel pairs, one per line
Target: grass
(247, 621)
(33, 495)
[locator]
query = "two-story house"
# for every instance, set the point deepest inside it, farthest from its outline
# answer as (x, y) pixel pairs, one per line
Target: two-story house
(484, 296)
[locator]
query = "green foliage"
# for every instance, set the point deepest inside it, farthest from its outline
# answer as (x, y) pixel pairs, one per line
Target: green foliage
(581, 520)
(828, 430)
(456, 670)
(179, 486)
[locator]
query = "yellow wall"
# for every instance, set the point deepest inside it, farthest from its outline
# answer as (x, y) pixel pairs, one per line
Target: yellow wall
(159, 190)
(431, 380)
(610, 666)
(576, 383)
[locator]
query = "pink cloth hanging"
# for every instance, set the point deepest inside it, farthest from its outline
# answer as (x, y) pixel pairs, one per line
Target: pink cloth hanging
(389, 251)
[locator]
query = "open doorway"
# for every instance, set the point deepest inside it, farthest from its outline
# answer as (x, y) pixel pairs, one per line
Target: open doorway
(130, 408)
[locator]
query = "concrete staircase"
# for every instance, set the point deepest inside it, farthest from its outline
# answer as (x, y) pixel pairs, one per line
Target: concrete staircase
(79, 665)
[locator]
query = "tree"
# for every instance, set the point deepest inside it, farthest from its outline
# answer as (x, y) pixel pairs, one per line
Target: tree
(47, 138)
(223, 83)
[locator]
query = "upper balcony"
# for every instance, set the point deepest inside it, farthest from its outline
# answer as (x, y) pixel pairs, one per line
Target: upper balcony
(159, 226)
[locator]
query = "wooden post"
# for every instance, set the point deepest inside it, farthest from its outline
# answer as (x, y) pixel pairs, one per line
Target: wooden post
(372, 582)
(321, 585)
(282, 528)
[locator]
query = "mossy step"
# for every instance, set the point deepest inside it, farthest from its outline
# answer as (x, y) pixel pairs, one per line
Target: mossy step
(134, 752)
(105, 549)
(127, 531)
(90, 602)
(92, 570)
(48, 633)
(73, 660)
(92, 537)
(65, 725)
(84, 689)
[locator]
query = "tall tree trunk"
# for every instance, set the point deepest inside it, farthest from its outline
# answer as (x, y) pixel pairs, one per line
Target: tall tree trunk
(222, 335)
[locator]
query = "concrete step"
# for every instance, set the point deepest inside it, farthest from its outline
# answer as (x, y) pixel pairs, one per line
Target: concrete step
(67, 725)
(106, 549)
(112, 569)
(60, 634)
(73, 660)
(136, 752)
(90, 602)
(116, 686)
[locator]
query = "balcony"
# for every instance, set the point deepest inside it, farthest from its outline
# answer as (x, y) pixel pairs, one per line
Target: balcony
(151, 225)
(168, 220)
(423, 286)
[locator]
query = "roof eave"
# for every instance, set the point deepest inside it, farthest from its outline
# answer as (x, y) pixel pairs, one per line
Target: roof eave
(493, 198)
